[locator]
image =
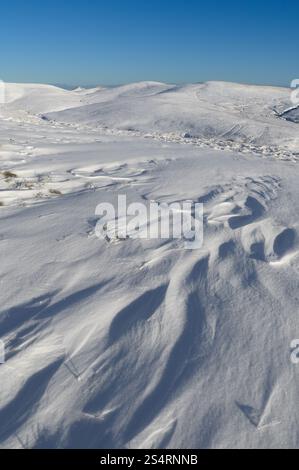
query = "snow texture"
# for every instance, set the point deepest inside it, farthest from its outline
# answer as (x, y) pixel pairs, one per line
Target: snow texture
(141, 343)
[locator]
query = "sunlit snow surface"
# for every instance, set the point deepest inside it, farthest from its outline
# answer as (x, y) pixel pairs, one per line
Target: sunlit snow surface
(141, 343)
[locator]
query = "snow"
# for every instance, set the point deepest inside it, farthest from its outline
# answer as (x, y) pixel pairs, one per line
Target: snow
(141, 343)
(292, 114)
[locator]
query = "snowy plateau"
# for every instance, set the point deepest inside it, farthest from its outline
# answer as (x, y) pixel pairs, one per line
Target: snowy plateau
(127, 344)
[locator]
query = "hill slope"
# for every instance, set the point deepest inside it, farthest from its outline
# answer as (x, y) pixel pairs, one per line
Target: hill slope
(140, 343)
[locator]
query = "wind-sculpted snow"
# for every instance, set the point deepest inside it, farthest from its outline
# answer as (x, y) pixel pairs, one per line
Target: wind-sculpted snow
(132, 343)
(291, 114)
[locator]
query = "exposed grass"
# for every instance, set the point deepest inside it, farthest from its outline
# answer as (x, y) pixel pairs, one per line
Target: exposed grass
(8, 174)
(55, 192)
(1, 204)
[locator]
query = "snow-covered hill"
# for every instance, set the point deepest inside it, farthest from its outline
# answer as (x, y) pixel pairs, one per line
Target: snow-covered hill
(215, 109)
(142, 343)
(38, 98)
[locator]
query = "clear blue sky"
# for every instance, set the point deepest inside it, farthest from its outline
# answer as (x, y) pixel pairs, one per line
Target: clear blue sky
(118, 41)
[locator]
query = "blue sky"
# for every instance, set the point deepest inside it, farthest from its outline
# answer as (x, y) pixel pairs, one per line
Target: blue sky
(119, 41)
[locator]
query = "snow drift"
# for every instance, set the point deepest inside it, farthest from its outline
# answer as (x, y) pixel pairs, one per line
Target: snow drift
(141, 343)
